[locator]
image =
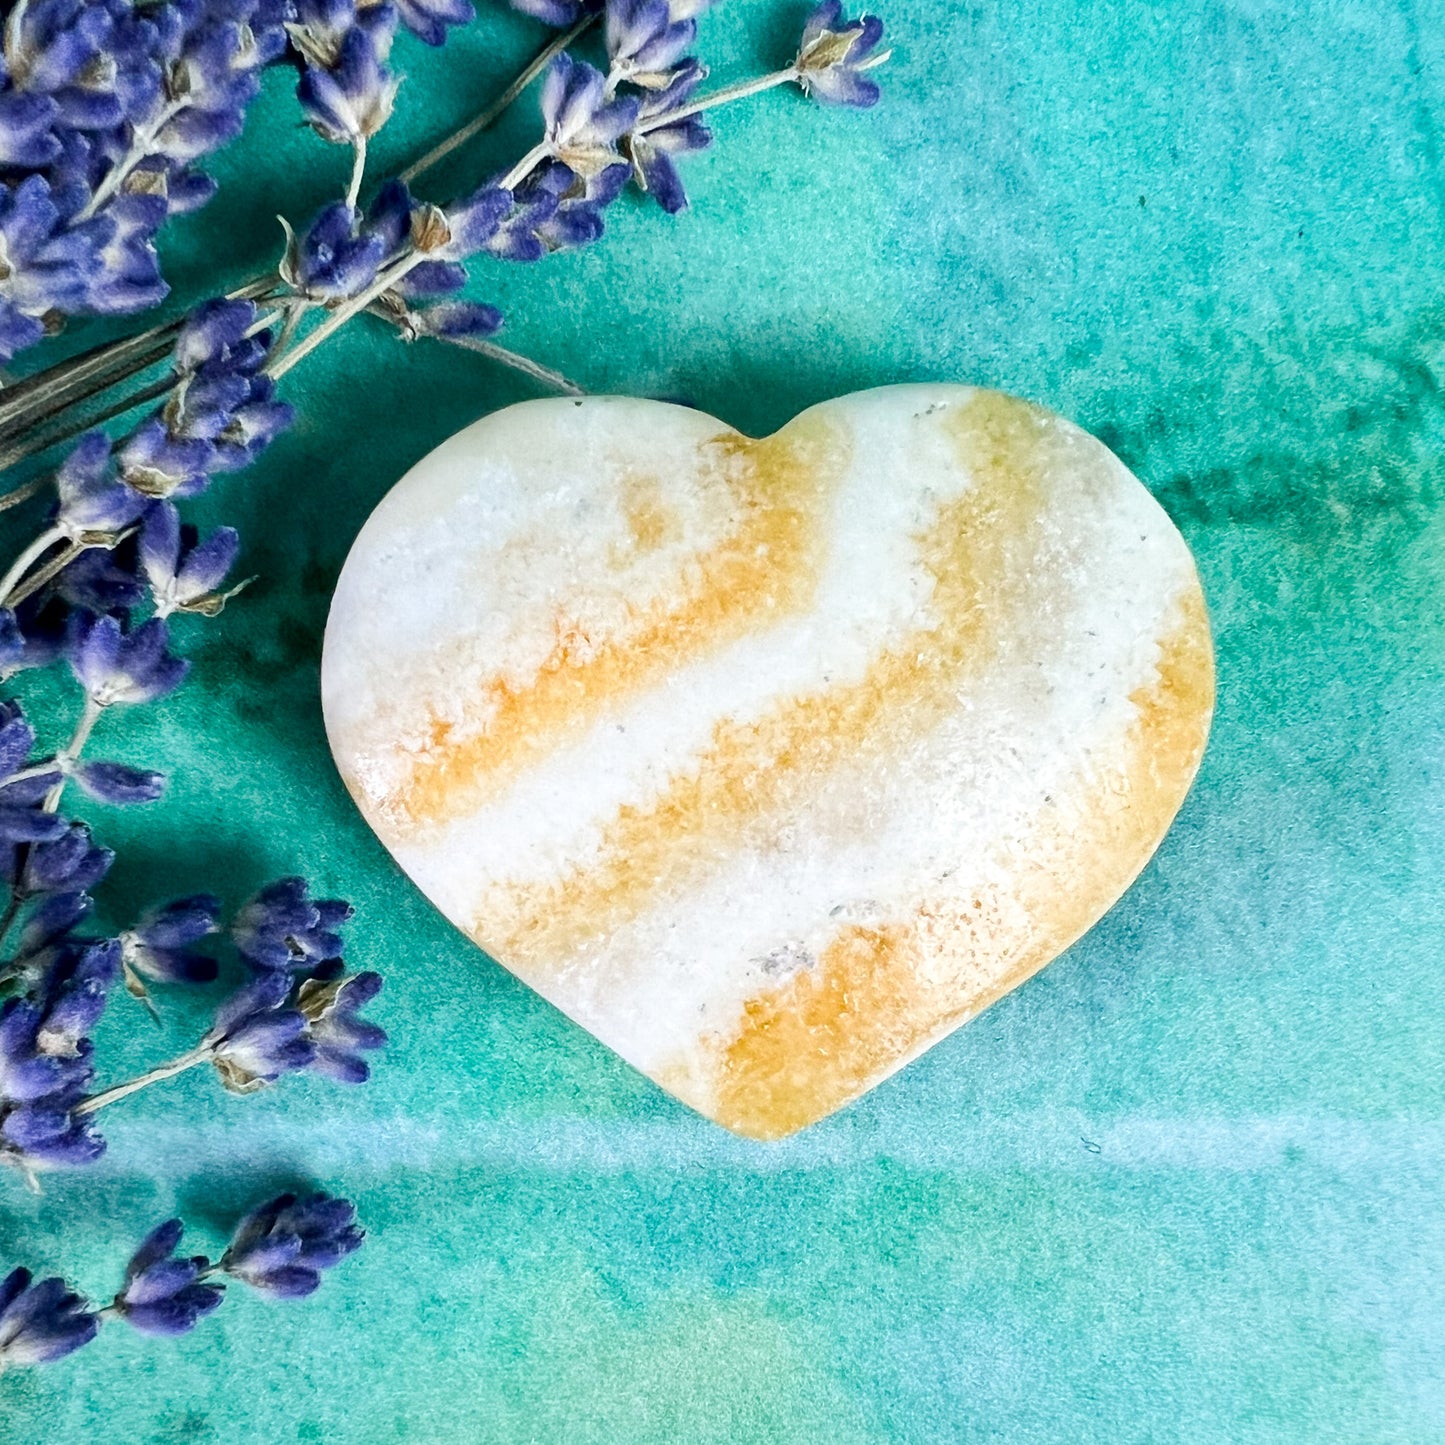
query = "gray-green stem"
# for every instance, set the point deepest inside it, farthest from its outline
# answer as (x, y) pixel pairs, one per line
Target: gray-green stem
(201, 1054)
(69, 755)
(489, 117)
(741, 91)
(524, 167)
(358, 170)
(86, 542)
(39, 441)
(21, 565)
(517, 362)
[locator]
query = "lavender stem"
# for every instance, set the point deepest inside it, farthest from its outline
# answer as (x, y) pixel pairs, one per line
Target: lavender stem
(358, 169)
(493, 112)
(728, 94)
(199, 1055)
(69, 755)
(18, 568)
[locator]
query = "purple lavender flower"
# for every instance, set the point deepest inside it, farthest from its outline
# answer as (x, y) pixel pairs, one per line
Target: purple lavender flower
(259, 1035)
(429, 19)
(28, 1072)
(127, 276)
(164, 1295)
(430, 278)
(157, 462)
(332, 1000)
(41, 1322)
(216, 364)
(115, 102)
(116, 666)
(582, 125)
(45, 1058)
(655, 140)
(12, 643)
(645, 40)
(210, 332)
(23, 819)
(45, 265)
(159, 946)
(835, 52)
(466, 226)
(102, 579)
(73, 993)
(185, 574)
(209, 62)
(557, 13)
(51, 922)
(576, 219)
(26, 138)
(390, 221)
(59, 49)
(335, 259)
(346, 89)
(211, 81)
(52, 47)
(17, 738)
(282, 928)
(17, 330)
(34, 633)
(517, 236)
(118, 783)
(92, 498)
(69, 863)
(252, 426)
(283, 1246)
(48, 1134)
(388, 218)
(452, 319)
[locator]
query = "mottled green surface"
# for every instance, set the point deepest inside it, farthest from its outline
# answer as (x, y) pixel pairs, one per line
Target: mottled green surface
(1186, 1184)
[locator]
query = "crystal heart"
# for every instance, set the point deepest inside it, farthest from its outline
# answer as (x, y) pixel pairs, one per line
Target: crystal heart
(770, 762)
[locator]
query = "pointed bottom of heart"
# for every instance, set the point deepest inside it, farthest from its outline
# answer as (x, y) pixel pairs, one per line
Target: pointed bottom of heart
(770, 762)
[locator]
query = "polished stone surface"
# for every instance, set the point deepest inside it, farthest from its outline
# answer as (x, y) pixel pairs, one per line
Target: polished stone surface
(770, 762)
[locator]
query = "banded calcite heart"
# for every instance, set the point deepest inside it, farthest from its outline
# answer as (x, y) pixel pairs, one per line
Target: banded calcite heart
(770, 762)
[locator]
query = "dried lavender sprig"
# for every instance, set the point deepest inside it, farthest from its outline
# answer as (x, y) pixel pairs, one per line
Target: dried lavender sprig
(585, 121)
(83, 373)
(555, 47)
(81, 377)
(825, 51)
(219, 413)
(281, 1248)
(472, 128)
(273, 1026)
(68, 430)
(300, 1010)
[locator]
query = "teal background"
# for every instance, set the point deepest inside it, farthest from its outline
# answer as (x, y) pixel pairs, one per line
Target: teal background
(1186, 1184)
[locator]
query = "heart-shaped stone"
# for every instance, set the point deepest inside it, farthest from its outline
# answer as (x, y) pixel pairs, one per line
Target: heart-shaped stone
(770, 762)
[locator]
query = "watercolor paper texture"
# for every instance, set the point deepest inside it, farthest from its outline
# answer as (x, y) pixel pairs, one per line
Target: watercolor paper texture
(770, 762)
(1182, 1185)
